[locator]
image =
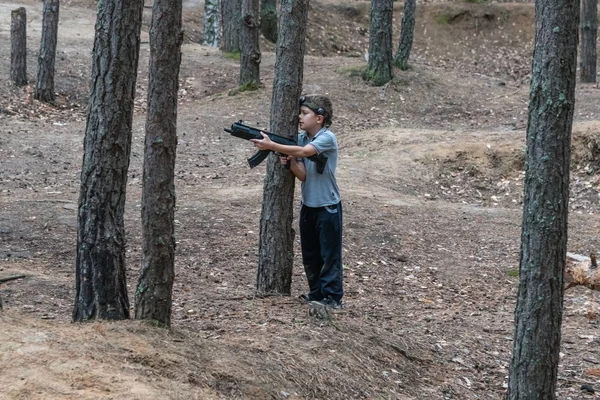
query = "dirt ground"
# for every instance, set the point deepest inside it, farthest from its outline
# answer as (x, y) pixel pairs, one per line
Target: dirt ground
(431, 180)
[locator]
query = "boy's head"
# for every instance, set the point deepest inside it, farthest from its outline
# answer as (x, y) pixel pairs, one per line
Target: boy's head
(320, 105)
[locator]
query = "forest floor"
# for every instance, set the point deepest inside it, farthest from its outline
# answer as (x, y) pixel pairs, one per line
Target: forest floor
(430, 171)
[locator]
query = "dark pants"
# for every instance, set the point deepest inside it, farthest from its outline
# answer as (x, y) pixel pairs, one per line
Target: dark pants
(321, 239)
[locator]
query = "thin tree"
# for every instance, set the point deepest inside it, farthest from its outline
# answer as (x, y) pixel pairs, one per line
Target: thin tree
(155, 285)
(101, 290)
(44, 86)
(379, 69)
(250, 48)
(538, 313)
(589, 34)
(18, 47)
(211, 23)
(276, 243)
(231, 20)
(406, 35)
(268, 19)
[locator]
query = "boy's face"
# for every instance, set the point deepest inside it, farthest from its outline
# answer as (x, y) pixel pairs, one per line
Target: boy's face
(309, 120)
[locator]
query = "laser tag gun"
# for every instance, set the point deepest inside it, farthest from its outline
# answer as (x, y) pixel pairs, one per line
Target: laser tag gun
(238, 129)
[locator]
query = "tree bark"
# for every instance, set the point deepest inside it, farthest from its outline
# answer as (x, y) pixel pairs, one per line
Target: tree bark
(18, 47)
(231, 17)
(538, 313)
(44, 87)
(276, 250)
(211, 23)
(268, 19)
(406, 35)
(155, 286)
(589, 34)
(379, 69)
(250, 50)
(101, 290)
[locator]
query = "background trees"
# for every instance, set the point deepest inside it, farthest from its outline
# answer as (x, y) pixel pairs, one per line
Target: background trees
(538, 314)
(268, 19)
(211, 23)
(250, 50)
(406, 35)
(18, 48)
(379, 69)
(231, 13)
(589, 34)
(154, 289)
(101, 290)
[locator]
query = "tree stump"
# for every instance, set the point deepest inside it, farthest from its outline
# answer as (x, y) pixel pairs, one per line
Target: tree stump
(44, 87)
(582, 271)
(18, 47)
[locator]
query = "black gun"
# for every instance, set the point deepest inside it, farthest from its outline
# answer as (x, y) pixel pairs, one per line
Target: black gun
(238, 129)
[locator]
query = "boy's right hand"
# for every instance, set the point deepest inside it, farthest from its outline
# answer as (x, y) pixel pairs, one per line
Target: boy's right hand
(285, 159)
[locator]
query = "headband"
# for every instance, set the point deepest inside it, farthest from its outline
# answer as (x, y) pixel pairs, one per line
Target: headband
(317, 109)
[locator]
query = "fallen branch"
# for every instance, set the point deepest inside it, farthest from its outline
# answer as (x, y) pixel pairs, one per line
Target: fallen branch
(12, 278)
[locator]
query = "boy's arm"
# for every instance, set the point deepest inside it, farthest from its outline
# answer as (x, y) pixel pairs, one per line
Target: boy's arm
(294, 151)
(298, 168)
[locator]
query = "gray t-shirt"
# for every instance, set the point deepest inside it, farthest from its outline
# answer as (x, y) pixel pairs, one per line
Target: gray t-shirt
(319, 190)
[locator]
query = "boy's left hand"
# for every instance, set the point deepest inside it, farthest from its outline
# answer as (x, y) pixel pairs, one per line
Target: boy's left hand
(263, 144)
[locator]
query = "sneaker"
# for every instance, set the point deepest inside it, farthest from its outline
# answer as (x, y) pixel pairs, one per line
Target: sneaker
(330, 302)
(306, 298)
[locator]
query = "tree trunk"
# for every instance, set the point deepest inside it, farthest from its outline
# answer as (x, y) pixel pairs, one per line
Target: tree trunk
(379, 70)
(231, 18)
(44, 87)
(589, 33)
(406, 35)
(250, 50)
(211, 23)
(154, 290)
(101, 290)
(268, 19)
(538, 313)
(276, 247)
(18, 47)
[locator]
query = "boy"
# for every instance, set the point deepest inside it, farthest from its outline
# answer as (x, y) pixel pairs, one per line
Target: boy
(321, 209)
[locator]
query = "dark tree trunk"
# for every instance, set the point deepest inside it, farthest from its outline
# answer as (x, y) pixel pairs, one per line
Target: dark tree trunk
(211, 23)
(155, 285)
(276, 247)
(379, 69)
(538, 313)
(44, 87)
(101, 290)
(589, 34)
(406, 35)
(231, 19)
(268, 19)
(250, 50)
(18, 47)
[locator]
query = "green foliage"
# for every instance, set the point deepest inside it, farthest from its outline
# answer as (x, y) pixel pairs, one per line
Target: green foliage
(248, 87)
(232, 56)
(443, 19)
(352, 71)
(513, 273)
(376, 79)
(401, 63)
